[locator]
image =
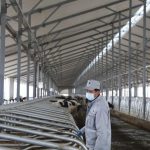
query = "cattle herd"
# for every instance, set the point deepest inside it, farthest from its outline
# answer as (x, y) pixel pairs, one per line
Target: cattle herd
(14, 100)
(76, 106)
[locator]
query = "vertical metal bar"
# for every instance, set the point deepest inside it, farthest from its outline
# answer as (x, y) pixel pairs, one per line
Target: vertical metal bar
(43, 93)
(53, 85)
(112, 63)
(119, 80)
(54, 88)
(47, 85)
(34, 78)
(98, 58)
(144, 60)
(50, 86)
(95, 64)
(28, 57)
(136, 75)
(97, 55)
(129, 55)
(41, 81)
(106, 85)
(102, 64)
(19, 52)
(38, 74)
(3, 10)
(11, 88)
(88, 76)
(35, 72)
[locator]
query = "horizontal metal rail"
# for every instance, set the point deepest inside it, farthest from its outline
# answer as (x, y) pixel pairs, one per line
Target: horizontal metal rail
(38, 124)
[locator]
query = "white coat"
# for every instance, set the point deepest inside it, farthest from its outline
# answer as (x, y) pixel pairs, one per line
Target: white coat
(97, 126)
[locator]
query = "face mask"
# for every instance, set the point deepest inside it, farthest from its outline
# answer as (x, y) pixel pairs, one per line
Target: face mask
(90, 96)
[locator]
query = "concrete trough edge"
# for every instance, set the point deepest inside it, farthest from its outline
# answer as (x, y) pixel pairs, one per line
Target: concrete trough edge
(143, 124)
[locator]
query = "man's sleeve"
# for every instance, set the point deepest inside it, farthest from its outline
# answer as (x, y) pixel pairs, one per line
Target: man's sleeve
(101, 124)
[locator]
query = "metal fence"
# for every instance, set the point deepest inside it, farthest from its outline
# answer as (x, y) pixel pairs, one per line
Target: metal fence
(136, 106)
(37, 125)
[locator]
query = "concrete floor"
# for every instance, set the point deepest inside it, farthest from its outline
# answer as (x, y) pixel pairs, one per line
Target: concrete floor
(128, 137)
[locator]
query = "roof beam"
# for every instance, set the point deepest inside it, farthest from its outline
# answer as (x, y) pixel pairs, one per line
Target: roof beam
(39, 10)
(100, 7)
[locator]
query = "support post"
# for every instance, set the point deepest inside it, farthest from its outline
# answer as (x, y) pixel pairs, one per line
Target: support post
(38, 74)
(144, 60)
(47, 84)
(34, 79)
(102, 65)
(3, 10)
(112, 64)
(43, 78)
(35, 86)
(135, 90)
(106, 83)
(28, 57)
(11, 88)
(19, 52)
(50, 86)
(129, 55)
(41, 74)
(119, 77)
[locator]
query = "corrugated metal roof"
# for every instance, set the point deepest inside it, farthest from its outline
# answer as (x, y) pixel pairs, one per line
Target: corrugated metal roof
(69, 33)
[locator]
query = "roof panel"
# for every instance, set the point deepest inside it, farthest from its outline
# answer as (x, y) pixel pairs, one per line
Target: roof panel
(70, 34)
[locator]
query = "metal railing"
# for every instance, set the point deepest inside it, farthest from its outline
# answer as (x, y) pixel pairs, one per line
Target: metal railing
(136, 106)
(38, 124)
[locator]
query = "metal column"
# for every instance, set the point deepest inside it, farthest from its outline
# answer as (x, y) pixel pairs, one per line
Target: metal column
(98, 59)
(44, 78)
(112, 63)
(28, 56)
(136, 76)
(102, 65)
(11, 88)
(38, 74)
(47, 88)
(34, 79)
(2, 46)
(144, 60)
(94, 67)
(35, 87)
(106, 83)
(54, 87)
(119, 80)
(50, 86)
(41, 76)
(19, 52)
(129, 55)
(135, 90)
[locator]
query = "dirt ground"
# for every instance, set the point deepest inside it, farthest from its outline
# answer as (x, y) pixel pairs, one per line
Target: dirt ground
(128, 137)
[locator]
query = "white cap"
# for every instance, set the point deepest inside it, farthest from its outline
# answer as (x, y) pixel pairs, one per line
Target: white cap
(92, 84)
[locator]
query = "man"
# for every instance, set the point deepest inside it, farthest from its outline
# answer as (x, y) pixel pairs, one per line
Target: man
(97, 127)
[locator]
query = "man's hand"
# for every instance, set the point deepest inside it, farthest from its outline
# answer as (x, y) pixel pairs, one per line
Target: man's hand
(79, 133)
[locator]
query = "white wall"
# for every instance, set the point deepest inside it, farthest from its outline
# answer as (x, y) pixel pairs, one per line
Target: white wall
(64, 92)
(6, 88)
(23, 89)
